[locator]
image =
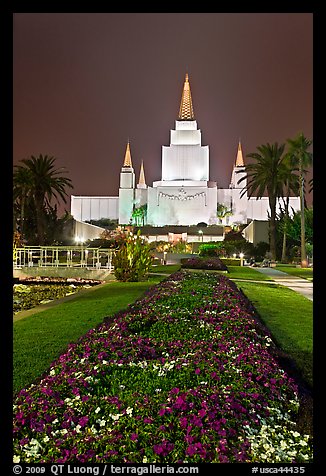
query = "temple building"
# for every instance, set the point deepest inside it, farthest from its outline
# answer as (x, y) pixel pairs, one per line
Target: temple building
(185, 195)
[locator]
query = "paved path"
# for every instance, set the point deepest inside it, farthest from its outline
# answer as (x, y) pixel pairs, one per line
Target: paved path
(300, 285)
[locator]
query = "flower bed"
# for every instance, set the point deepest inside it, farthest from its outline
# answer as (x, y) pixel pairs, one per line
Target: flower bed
(199, 262)
(185, 374)
(32, 292)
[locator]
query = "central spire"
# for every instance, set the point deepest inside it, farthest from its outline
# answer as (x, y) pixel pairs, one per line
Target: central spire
(186, 112)
(127, 161)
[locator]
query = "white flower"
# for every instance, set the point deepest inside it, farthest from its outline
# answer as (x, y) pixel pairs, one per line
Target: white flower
(97, 410)
(115, 417)
(16, 459)
(101, 422)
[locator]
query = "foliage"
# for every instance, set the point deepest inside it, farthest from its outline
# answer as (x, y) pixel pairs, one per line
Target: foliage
(187, 374)
(208, 249)
(197, 262)
(133, 258)
(301, 157)
(259, 250)
(231, 262)
(294, 226)
(37, 182)
(267, 175)
(110, 238)
(31, 295)
(223, 211)
(291, 225)
(177, 247)
(139, 215)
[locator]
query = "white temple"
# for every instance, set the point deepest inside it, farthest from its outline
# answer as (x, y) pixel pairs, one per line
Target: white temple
(185, 195)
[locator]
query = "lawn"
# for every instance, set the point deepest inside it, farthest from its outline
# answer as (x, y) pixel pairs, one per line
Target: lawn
(306, 273)
(42, 337)
(289, 316)
(165, 268)
(244, 272)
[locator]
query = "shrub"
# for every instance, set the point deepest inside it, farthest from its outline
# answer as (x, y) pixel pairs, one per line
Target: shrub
(133, 258)
(203, 263)
(231, 261)
(208, 249)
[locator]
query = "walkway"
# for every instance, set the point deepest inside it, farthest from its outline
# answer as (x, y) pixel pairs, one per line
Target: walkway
(302, 286)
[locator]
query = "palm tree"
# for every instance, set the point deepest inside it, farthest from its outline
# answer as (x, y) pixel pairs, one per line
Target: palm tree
(21, 193)
(301, 158)
(222, 211)
(45, 183)
(291, 184)
(266, 175)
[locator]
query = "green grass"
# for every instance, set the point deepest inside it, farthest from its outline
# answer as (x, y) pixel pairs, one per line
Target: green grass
(244, 272)
(165, 268)
(306, 273)
(41, 337)
(289, 316)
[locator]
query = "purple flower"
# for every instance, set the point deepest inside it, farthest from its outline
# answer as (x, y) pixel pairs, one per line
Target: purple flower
(83, 421)
(164, 448)
(148, 420)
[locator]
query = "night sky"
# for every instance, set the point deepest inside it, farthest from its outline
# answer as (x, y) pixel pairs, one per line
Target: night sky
(85, 83)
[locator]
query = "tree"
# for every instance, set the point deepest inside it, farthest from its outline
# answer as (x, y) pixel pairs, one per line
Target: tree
(139, 215)
(266, 175)
(291, 184)
(301, 158)
(45, 183)
(222, 212)
(22, 181)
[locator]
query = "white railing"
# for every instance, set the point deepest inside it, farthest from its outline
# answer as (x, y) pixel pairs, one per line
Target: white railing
(63, 256)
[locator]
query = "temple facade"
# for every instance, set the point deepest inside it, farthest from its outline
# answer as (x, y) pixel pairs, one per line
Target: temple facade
(185, 195)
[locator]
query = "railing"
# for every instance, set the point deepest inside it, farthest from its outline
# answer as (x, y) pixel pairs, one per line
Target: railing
(63, 256)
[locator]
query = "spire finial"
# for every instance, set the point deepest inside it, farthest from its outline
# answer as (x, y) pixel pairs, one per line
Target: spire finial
(127, 161)
(239, 161)
(186, 112)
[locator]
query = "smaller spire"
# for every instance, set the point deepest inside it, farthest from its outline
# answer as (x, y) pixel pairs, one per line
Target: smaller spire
(127, 162)
(239, 162)
(142, 181)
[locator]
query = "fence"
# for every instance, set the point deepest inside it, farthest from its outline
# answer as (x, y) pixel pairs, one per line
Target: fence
(63, 256)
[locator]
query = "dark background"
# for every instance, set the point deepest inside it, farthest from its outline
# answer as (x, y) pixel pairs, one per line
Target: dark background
(85, 83)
